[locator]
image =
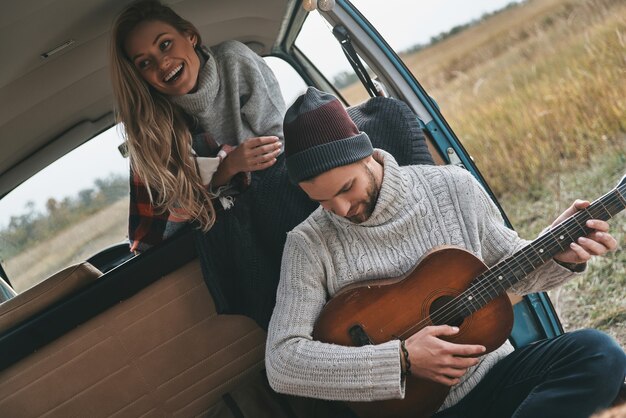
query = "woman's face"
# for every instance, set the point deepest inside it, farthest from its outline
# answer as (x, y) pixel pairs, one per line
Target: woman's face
(164, 57)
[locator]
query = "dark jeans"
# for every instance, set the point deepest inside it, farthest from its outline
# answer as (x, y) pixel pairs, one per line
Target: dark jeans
(572, 375)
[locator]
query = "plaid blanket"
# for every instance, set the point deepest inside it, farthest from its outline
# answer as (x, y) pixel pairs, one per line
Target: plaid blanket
(149, 226)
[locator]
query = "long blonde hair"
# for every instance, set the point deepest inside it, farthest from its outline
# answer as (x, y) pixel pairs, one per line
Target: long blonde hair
(156, 131)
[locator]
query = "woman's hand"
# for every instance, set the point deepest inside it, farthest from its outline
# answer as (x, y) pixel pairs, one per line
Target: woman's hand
(252, 155)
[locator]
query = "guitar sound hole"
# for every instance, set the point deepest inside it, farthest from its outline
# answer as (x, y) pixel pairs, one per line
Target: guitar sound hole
(358, 336)
(443, 312)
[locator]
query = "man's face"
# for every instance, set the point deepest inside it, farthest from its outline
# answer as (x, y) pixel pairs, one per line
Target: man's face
(350, 191)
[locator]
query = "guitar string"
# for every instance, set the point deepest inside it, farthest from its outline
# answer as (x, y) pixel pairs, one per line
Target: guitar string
(485, 282)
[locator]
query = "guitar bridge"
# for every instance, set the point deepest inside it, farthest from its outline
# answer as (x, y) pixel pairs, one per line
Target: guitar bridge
(359, 336)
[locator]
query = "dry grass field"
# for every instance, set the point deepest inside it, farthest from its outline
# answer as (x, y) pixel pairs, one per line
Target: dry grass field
(537, 95)
(72, 245)
(535, 90)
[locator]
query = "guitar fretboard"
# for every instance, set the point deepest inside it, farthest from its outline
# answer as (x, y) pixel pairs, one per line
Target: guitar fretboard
(495, 281)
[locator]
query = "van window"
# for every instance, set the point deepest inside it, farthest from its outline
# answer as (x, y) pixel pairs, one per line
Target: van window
(291, 83)
(317, 42)
(66, 213)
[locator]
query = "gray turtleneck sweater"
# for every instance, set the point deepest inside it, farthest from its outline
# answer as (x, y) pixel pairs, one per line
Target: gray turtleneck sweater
(238, 96)
(418, 208)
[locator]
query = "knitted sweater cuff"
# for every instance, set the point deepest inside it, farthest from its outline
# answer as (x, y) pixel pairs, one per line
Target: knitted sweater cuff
(387, 382)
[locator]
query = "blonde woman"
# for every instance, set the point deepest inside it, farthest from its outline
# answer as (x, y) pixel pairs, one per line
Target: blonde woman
(168, 87)
(204, 125)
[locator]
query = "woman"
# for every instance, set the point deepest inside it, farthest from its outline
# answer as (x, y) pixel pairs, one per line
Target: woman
(197, 121)
(169, 87)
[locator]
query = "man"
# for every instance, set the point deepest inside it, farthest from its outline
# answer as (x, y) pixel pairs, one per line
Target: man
(375, 221)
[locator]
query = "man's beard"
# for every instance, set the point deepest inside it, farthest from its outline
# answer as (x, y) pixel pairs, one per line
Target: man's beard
(370, 202)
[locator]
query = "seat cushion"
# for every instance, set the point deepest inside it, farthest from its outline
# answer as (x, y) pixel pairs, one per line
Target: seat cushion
(41, 296)
(392, 126)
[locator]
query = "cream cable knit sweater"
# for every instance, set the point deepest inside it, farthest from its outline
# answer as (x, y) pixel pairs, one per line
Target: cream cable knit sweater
(238, 96)
(419, 207)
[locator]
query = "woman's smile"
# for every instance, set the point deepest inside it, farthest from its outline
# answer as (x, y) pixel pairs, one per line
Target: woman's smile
(174, 74)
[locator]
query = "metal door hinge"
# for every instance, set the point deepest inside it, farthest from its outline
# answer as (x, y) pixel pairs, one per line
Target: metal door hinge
(454, 158)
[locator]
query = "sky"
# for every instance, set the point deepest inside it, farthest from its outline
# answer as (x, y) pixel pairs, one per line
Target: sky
(403, 23)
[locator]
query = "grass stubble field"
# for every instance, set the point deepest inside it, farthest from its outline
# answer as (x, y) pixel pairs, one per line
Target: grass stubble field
(537, 96)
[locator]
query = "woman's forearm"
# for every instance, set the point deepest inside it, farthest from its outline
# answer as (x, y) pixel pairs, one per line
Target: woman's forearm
(224, 174)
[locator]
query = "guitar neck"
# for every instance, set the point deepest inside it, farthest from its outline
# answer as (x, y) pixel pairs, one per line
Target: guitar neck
(495, 281)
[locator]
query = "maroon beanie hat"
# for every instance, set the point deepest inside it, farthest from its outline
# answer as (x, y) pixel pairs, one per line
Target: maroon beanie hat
(319, 136)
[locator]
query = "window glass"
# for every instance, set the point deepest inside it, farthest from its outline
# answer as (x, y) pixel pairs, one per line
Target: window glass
(67, 212)
(291, 84)
(317, 42)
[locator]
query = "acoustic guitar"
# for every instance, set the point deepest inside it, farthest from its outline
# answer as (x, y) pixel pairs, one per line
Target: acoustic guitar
(448, 286)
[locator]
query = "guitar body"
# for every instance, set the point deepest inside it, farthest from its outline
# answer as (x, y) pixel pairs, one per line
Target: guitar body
(387, 309)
